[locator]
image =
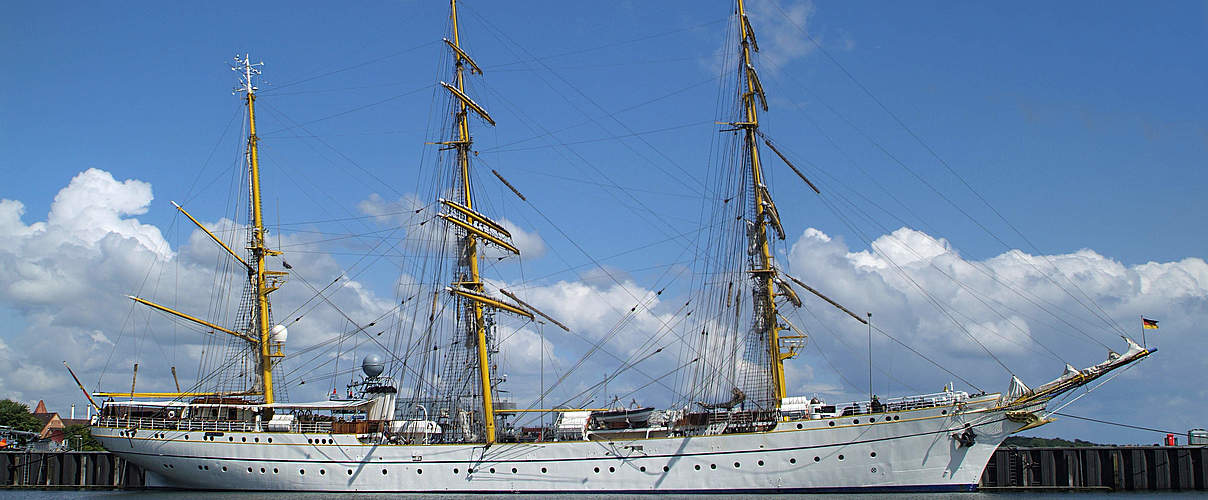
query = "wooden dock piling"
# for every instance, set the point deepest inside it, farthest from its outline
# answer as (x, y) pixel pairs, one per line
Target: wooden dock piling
(1120, 468)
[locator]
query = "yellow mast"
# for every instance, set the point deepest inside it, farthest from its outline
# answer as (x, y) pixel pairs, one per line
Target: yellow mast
(474, 281)
(764, 271)
(259, 250)
(266, 281)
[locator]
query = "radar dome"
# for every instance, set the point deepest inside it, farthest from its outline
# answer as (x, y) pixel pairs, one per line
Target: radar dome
(373, 365)
(278, 334)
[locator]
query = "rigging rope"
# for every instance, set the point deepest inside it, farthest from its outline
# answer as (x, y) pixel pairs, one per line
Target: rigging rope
(1117, 424)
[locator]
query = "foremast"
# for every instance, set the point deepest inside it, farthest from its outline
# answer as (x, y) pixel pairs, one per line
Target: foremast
(761, 267)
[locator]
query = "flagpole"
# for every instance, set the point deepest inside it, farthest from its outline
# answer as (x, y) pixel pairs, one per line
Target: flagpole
(1143, 342)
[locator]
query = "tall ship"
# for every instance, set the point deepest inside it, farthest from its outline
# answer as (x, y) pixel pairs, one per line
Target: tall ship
(432, 417)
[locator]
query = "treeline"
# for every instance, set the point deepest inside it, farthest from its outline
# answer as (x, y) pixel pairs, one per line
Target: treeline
(1039, 442)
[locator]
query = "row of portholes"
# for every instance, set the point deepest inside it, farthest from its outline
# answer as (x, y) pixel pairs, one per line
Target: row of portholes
(544, 470)
(321, 441)
(872, 420)
(232, 439)
(211, 438)
(857, 421)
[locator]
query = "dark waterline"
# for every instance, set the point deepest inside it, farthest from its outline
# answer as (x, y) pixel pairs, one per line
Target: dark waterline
(220, 495)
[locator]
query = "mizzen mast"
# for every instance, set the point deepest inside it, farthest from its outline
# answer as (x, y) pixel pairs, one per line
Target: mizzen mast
(264, 338)
(264, 280)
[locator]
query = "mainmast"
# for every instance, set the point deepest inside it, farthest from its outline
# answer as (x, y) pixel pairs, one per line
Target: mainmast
(473, 227)
(256, 269)
(762, 268)
(470, 243)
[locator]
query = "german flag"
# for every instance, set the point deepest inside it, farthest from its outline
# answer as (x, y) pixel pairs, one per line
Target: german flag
(1149, 324)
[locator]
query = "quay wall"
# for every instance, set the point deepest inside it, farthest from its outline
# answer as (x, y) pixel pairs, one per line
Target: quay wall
(72, 469)
(1117, 468)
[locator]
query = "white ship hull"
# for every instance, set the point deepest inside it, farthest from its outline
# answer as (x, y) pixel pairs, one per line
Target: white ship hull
(908, 451)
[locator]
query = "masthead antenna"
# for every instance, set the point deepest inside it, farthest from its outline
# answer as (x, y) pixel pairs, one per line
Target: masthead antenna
(248, 70)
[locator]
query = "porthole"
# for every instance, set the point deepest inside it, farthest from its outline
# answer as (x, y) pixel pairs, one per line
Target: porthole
(455, 470)
(856, 421)
(817, 459)
(224, 469)
(760, 463)
(249, 470)
(792, 460)
(257, 440)
(597, 469)
(832, 423)
(349, 472)
(493, 470)
(198, 467)
(697, 466)
(712, 466)
(737, 465)
(383, 472)
(513, 470)
(872, 420)
(943, 412)
(186, 436)
(543, 470)
(840, 457)
(873, 454)
(275, 470)
(270, 440)
(322, 472)
(262, 471)
(895, 417)
(301, 472)
(207, 467)
(310, 441)
(611, 470)
(417, 471)
(800, 426)
(244, 439)
(230, 438)
(665, 468)
(642, 468)
(873, 470)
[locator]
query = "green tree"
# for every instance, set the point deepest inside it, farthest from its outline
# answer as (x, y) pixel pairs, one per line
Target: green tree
(79, 437)
(16, 415)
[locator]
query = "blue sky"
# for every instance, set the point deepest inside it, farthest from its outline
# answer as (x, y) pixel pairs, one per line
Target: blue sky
(1080, 123)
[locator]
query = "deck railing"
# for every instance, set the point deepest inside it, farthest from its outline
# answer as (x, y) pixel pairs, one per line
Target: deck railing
(903, 403)
(187, 424)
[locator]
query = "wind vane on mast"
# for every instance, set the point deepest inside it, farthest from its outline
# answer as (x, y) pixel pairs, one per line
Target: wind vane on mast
(249, 69)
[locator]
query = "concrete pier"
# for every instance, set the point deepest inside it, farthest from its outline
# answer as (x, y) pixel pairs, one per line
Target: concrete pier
(73, 469)
(1117, 468)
